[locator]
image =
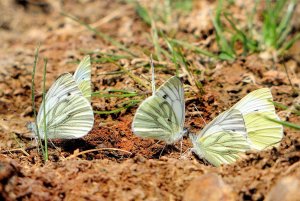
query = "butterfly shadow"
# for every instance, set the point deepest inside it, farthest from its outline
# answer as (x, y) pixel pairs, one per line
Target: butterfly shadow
(201, 160)
(72, 144)
(166, 149)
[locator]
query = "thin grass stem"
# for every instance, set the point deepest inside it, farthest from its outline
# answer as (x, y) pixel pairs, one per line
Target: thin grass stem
(36, 55)
(44, 107)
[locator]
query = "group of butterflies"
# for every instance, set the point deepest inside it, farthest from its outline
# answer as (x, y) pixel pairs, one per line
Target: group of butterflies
(243, 127)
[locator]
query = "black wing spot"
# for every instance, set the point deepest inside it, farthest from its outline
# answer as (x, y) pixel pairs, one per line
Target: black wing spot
(165, 96)
(256, 110)
(69, 94)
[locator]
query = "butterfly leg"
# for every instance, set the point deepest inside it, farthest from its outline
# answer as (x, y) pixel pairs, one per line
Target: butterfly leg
(181, 146)
(37, 144)
(187, 152)
(52, 144)
(162, 151)
(151, 145)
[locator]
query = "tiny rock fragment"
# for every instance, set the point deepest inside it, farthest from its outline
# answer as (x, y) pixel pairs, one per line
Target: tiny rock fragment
(208, 187)
(286, 189)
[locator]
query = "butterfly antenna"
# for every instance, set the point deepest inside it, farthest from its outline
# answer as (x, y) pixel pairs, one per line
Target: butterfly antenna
(153, 75)
(200, 115)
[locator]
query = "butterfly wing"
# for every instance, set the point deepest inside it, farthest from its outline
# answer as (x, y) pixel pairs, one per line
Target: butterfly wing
(230, 120)
(64, 86)
(172, 91)
(82, 77)
(223, 140)
(262, 133)
(156, 119)
(256, 101)
(68, 113)
(220, 147)
(71, 117)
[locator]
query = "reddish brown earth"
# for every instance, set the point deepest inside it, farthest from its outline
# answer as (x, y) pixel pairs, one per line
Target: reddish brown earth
(116, 174)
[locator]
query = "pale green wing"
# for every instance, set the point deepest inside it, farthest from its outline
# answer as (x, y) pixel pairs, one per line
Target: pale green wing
(223, 140)
(231, 120)
(220, 147)
(65, 105)
(263, 133)
(71, 117)
(156, 119)
(82, 77)
(64, 86)
(172, 91)
(256, 101)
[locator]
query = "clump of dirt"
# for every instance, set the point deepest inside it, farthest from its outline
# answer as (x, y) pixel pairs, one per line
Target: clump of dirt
(118, 165)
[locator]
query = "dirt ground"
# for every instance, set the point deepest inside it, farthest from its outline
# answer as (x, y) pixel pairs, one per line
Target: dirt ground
(133, 170)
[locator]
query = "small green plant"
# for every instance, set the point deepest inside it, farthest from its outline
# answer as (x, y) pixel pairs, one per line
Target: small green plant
(226, 50)
(276, 24)
(274, 35)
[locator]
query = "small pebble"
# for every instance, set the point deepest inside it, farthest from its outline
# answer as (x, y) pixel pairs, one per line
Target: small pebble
(208, 187)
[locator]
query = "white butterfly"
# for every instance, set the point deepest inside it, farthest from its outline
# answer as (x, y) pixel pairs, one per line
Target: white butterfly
(69, 113)
(239, 129)
(161, 116)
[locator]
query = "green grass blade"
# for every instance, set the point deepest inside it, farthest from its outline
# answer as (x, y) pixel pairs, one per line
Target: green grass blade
(227, 52)
(184, 5)
(284, 107)
(250, 17)
(108, 95)
(109, 58)
(285, 123)
(284, 27)
(248, 43)
(194, 48)
(155, 41)
(143, 13)
(174, 58)
(289, 44)
(126, 105)
(44, 107)
(269, 25)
